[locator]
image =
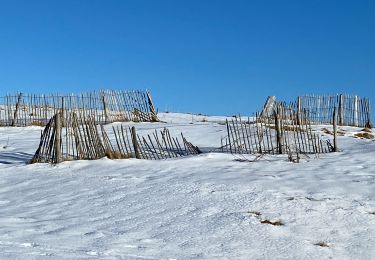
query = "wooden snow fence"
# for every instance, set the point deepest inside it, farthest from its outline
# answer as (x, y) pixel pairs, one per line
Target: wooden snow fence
(352, 110)
(84, 139)
(279, 133)
(105, 106)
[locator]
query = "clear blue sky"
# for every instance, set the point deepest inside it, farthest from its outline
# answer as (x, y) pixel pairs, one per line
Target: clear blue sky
(214, 57)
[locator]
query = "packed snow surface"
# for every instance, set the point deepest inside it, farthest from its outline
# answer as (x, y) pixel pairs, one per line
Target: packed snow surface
(211, 206)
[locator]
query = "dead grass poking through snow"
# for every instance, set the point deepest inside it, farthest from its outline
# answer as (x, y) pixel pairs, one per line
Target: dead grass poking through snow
(37, 123)
(322, 244)
(258, 215)
(367, 130)
(365, 135)
(272, 222)
(339, 132)
(254, 213)
(289, 128)
(372, 213)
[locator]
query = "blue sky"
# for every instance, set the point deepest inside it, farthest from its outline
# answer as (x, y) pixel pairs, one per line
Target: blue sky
(213, 57)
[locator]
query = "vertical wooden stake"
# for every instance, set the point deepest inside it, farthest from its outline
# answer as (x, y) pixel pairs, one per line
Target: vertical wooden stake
(154, 117)
(135, 144)
(228, 130)
(15, 115)
(278, 131)
(356, 111)
(299, 108)
(63, 123)
(341, 111)
(58, 127)
(368, 123)
(105, 108)
(335, 148)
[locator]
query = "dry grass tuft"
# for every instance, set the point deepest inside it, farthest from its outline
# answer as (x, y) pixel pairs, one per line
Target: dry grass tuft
(322, 244)
(38, 123)
(116, 155)
(339, 132)
(258, 215)
(272, 222)
(365, 135)
(289, 128)
(371, 212)
(367, 130)
(254, 213)
(326, 131)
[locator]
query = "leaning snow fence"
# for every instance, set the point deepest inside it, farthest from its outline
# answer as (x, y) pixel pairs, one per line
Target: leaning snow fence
(104, 106)
(286, 131)
(82, 138)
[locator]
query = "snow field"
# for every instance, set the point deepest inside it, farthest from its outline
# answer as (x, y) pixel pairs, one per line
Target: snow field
(205, 207)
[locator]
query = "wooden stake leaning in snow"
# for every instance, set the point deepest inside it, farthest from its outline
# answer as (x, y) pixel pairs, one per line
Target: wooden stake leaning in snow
(135, 143)
(152, 109)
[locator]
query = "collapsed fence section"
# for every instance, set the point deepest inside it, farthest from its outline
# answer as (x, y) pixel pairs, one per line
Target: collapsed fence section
(104, 107)
(84, 139)
(280, 133)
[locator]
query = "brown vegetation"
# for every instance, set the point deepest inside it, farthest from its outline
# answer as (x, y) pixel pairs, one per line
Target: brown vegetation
(365, 135)
(272, 222)
(322, 244)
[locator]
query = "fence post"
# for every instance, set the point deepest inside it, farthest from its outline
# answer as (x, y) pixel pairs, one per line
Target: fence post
(335, 148)
(299, 109)
(356, 111)
(228, 130)
(152, 109)
(268, 107)
(341, 111)
(58, 127)
(135, 143)
(278, 131)
(368, 112)
(105, 108)
(15, 115)
(62, 112)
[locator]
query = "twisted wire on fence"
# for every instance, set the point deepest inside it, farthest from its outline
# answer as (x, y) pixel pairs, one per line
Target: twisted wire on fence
(104, 106)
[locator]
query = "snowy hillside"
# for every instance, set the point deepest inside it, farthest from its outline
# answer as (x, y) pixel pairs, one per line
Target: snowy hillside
(211, 206)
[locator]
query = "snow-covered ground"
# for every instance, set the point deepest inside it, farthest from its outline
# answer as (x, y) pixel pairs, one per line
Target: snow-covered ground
(206, 207)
